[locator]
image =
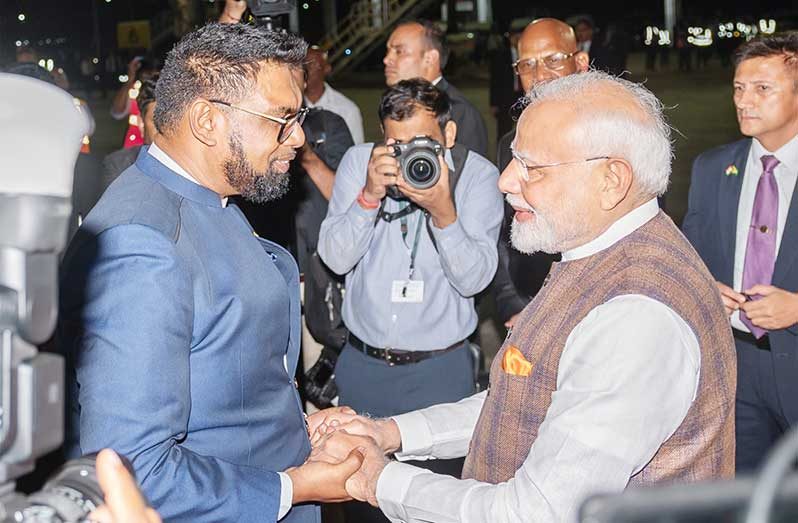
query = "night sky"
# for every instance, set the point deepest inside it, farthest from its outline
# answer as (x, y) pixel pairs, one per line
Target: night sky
(69, 23)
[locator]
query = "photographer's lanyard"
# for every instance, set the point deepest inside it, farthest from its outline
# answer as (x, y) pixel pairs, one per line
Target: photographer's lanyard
(414, 249)
(409, 290)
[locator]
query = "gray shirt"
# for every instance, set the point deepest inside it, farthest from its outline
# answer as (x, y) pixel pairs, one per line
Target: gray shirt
(373, 257)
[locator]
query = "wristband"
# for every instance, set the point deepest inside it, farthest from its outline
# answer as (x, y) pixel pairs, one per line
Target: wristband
(363, 202)
(231, 19)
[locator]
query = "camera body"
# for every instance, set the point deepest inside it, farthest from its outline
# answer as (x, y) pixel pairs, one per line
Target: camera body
(261, 8)
(418, 161)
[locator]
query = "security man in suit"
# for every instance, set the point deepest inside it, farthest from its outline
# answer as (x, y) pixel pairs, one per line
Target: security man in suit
(743, 221)
(417, 49)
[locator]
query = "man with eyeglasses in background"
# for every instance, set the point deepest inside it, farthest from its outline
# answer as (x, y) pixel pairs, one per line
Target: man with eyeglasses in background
(546, 50)
(180, 326)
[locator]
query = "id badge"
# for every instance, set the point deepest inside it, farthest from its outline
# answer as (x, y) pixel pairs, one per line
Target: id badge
(407, 291)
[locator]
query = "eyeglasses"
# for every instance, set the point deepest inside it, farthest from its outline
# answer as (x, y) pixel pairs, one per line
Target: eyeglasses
(527, 172)
(287, 124)
(552, 62)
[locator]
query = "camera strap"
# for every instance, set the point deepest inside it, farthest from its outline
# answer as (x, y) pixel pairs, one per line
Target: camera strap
(417, 237)
(382, 214)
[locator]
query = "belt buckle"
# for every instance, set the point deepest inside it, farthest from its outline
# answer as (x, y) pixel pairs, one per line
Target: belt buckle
(388, 357)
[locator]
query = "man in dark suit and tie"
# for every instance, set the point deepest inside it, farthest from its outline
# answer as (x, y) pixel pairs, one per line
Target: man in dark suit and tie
(743, 221)
(417, 49)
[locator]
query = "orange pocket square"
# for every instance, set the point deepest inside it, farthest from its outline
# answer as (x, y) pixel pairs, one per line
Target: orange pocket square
(514, 362)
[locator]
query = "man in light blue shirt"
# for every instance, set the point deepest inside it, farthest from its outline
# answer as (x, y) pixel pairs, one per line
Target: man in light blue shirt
(413, 261)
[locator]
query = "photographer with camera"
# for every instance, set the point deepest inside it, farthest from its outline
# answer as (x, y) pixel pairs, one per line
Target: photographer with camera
(414, 224)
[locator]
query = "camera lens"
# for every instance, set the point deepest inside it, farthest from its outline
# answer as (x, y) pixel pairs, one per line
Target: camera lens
(419, 162)
(421, 171)
(69, 496)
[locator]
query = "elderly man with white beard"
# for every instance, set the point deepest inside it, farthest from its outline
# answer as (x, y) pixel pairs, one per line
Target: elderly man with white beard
(620, 372)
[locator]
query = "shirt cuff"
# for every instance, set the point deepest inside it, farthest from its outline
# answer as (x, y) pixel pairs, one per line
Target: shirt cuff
(392, 487)
(450, 236)
(286, 495)
(416, 436)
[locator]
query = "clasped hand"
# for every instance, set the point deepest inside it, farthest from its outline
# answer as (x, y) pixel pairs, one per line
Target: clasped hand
(337, 433)
(774, 309)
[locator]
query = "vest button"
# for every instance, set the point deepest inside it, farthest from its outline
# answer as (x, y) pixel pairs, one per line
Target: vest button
(763, 229)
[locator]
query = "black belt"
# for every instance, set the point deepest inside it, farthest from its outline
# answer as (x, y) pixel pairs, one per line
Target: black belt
(762, 343)
(398, 357)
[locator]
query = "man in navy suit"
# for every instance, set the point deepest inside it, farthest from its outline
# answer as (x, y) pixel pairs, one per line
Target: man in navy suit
(181, 327)
(743, 221)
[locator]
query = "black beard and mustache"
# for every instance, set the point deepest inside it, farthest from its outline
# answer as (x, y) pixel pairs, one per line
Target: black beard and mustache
(252, 185)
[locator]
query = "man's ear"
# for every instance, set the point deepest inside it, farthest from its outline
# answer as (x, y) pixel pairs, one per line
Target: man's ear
(617, 178)
(582, 61)
(205, 122)
(432, 58)
(450, 133)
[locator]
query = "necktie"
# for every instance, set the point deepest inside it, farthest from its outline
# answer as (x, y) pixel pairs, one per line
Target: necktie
(760, 254)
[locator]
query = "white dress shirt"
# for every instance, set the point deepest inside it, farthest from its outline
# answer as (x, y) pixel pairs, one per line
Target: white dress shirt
(339, 104)
(786, 174)
(627, 377)
(286, 485)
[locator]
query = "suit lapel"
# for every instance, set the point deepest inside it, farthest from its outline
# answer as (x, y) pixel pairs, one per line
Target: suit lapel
(728, 200)
(788, 251)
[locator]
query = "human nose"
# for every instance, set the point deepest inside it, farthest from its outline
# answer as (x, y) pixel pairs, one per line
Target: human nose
(297, 137)
(509, 182)
(543, 73)
(742, 98)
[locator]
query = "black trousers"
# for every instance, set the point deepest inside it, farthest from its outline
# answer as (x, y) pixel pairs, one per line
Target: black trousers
(760, 419)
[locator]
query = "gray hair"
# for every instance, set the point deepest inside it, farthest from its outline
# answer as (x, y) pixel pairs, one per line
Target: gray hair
(644, 143)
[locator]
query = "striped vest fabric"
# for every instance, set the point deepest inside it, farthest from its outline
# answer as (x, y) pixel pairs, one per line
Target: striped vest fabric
(655, 261)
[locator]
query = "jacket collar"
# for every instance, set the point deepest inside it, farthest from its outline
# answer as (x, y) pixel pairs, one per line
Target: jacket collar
(173, 181)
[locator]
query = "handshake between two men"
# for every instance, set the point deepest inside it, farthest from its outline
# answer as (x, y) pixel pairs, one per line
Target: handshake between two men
(348, 456)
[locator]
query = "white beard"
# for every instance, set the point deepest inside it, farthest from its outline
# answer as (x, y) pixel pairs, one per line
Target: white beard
(534, 236)
(542, 234)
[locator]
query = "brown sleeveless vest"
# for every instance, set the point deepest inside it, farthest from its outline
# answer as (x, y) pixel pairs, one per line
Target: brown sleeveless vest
(655, 261)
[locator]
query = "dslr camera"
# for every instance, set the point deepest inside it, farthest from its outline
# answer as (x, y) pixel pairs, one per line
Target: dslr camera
(267, 13)
(418, 161)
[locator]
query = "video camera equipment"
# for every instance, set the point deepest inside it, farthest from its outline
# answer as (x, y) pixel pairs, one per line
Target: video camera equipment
(264, 11)
(41, 128)
(770, 496)
(418, 161)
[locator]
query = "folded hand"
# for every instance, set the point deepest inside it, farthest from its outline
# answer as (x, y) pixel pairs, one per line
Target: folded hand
(333, 446)
(385, 432)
